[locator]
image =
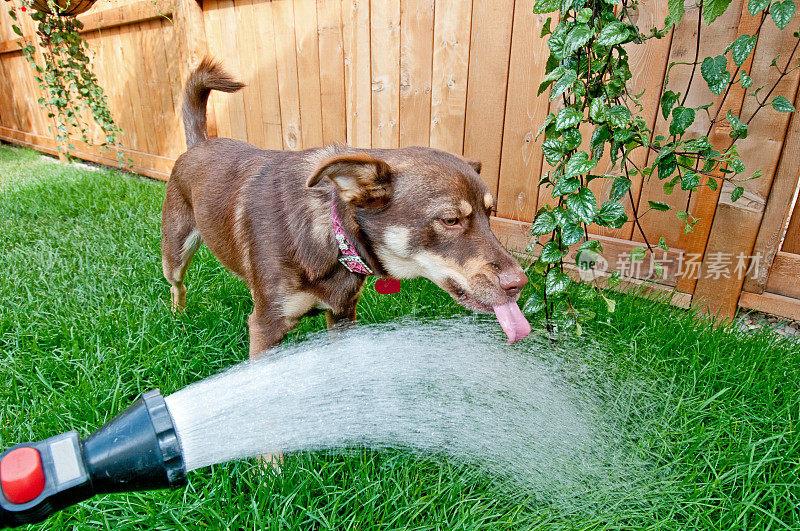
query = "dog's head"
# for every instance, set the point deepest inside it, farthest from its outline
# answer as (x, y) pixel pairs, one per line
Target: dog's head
(426, 213)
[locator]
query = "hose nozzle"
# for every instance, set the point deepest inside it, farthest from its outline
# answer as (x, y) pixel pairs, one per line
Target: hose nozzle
(137, 450)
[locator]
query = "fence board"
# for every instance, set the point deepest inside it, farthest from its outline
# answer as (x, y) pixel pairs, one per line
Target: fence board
(358, 85)
(647, 61)
(385, 72)
(449, 84)
(307, 46)
(521, 155)
(490, 48)
(735, 225)
(266, 73)
(792, 242)
(416, 61)
(331, 71)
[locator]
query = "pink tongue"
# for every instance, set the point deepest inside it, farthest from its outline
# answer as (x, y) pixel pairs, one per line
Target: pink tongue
(513, 322)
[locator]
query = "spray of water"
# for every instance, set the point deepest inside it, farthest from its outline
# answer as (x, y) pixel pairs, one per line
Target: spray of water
(524, 413)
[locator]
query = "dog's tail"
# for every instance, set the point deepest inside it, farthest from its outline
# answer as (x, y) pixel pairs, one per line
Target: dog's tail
(206, 77)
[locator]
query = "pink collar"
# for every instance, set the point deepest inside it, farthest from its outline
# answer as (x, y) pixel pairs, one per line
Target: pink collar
(349, 256)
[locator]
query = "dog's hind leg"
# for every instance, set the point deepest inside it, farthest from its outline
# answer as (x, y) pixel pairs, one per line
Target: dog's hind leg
(179, 242)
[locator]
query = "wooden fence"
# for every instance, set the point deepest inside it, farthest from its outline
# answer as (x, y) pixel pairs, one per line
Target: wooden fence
(456, 75)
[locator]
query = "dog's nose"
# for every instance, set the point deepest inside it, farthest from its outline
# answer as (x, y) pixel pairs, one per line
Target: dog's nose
(512, 283)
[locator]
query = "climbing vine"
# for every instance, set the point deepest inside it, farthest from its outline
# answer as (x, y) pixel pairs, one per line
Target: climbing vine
(588, 71)
(64, 75)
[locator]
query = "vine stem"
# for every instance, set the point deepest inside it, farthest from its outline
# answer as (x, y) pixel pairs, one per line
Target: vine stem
(696, 52)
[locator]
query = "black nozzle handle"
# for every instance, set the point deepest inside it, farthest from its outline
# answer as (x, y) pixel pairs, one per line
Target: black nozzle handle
(137, 450)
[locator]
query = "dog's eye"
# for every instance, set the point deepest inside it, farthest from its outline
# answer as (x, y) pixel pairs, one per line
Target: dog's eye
(450, 222)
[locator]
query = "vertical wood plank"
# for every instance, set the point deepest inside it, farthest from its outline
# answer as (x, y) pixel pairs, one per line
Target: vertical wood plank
(305, 27)
(791, 244)
(385, 71)
(451, 28)
(735, 225)
(218, 106)
(521, 160)
(266, 73)
(416, 58)
(778, 208)
(250, 62)
(283, 18)
(229, 42)
(190, 32)
(490, 46)
(176, 143)
(357, 77)
(656, 224)
(648, 62)
(331, 71)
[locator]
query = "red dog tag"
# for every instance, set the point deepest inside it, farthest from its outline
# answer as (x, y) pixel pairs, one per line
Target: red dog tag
(387, 286)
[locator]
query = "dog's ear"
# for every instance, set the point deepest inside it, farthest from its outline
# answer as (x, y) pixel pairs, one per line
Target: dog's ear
(361, 180)
(476, 165)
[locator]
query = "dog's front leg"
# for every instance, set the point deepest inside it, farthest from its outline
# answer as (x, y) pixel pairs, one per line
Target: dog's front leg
(341, 318)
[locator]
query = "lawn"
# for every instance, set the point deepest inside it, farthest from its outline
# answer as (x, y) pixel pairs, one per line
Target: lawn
(85, 327)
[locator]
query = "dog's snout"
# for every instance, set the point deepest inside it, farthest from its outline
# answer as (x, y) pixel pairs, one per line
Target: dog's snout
(512, 282)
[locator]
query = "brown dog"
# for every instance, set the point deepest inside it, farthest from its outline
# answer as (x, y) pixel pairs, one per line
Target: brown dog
(268, 217)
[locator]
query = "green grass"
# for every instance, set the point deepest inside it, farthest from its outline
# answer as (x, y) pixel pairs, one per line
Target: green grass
(85, 327)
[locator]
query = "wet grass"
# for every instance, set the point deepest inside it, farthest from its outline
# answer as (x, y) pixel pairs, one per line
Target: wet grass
(85, 327)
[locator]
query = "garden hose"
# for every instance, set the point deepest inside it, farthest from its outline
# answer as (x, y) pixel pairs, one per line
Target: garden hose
(137, 450)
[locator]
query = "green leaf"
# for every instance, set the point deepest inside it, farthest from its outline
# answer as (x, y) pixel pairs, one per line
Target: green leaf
(584, 15)
(712, 9)
(600, 136)
(567, 117)
(667, 166)
(614, 33)
(571, 138)
(550, 118)
(566, 185)
(675, 12)
(563, 84)
(619, 116)
(556, 282)
(571, 233)
(534, 304)
(682, 118)
(737, 193)
(577, 37)
(689, 180)
(782, 12)
(638, 253)
(597, 109)
(668, 100)
(736, 165)
(757, 6)
(619, 188)
(551, 253)
(781, 104)
(546, 6)
(16, 30)
(746, 80)
(578, 164)
(662, 244)
(741, 48)
(712, 183)
(738, 126)
(583, 205)
(610, 212)
(544, 223)
(714, 71)
(658, 205)
(552, 150)
(669, 186)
